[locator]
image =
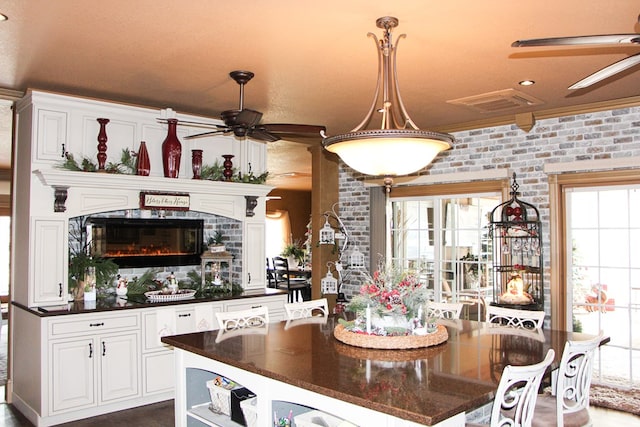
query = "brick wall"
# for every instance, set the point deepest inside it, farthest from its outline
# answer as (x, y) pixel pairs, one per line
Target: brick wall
(598, 135)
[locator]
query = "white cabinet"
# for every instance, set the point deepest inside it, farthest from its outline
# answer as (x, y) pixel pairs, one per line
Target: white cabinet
(51, 134)
(48, 264)
(94, 360)
(255, 274)
(158, 357)
(92, 371)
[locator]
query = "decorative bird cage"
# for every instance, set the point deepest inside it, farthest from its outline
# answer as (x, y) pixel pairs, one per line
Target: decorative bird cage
(356, 259)
(329, 284)
(327, 233)
(515, 230)
(212, 268)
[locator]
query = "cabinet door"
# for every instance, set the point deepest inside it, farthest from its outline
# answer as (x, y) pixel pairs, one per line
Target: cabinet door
(72, 374)
(51, 135)
(119, 367)
(48, 262)
(253, 256)
(185, 321)
(158, 372)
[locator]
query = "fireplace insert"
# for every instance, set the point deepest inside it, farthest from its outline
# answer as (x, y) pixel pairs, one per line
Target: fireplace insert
(147, 242)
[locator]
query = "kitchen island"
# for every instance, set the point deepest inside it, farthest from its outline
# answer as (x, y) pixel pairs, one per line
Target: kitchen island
(303, 364)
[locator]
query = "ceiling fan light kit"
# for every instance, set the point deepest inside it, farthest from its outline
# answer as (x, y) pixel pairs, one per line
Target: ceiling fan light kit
(398, 147)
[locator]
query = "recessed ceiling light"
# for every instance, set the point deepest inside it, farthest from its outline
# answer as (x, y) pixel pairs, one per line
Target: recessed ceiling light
(3, 17)
(526, 83)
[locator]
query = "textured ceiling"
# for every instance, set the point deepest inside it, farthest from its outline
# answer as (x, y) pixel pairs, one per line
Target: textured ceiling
(313, 61)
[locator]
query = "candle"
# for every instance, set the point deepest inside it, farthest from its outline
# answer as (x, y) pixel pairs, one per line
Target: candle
(368, 318)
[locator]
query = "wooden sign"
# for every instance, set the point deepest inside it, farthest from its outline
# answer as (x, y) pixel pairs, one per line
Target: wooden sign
(167, 201)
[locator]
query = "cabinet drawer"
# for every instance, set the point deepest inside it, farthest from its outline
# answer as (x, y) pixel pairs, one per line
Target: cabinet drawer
(76, 325)
(274, 305)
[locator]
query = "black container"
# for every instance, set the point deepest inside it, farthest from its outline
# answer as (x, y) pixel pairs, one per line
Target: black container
(238, 395)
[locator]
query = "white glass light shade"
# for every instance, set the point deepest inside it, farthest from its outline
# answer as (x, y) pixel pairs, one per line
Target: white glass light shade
(388, 155)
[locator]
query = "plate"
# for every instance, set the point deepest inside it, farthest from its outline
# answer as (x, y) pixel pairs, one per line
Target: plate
(158, 296)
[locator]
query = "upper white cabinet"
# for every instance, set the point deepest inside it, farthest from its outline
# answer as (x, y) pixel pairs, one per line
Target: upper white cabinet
(45, 196)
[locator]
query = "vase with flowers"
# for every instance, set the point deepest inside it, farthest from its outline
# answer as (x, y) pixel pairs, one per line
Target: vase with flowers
(390, 303)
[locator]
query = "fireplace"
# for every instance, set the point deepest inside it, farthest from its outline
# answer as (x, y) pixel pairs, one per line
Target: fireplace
(147, 242)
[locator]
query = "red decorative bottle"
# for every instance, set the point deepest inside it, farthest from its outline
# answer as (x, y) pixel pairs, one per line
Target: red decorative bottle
(143, 166)
(196, 163)
(102, 144)
(171, 151)
(228, 166)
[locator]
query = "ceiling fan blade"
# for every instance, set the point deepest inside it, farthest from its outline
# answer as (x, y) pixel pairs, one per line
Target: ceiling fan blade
(261, 134)
(213, 132)
(193, 124)
(580, 40)
(607, 72)
(248, 118)
(293, 128)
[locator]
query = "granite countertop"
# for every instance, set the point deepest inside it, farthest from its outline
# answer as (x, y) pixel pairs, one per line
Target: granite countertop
(426, 385)
(112, 302)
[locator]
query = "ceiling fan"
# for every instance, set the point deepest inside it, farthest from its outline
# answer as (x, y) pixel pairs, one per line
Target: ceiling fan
(603, 39)
(246, 122)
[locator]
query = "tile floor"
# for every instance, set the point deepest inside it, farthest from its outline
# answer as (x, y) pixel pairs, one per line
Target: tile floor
(162, 414)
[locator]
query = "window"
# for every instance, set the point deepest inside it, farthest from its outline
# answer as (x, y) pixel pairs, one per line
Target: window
(444, 237)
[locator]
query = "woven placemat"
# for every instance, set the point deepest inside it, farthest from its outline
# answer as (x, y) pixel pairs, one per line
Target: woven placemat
(390, 343)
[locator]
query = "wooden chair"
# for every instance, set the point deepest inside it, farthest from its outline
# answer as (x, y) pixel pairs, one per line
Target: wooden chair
(514, 317)
(517, 393)
(271, 280)
(284, 280)
(569, 403)
(303, 310)
(444, 310)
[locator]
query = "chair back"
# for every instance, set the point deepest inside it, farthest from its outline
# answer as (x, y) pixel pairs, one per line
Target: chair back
(574, 377)
(253, 318)
(444, 310)
(281, 270)
(517, 392)
(303, 310)
(514, 317)
(271, 279)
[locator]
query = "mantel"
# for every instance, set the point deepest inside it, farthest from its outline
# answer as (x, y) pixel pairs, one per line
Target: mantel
(61, 181)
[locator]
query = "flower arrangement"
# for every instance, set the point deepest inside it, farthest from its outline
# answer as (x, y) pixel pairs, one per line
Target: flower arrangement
(389, 294)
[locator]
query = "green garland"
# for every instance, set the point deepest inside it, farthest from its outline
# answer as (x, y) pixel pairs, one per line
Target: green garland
(127, 166)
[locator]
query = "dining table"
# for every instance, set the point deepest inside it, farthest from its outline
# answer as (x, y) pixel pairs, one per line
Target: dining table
(302, 362)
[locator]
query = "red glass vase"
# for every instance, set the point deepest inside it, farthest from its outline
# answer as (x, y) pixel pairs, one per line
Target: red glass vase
(171, 151)
(143, 166)
(196, 163)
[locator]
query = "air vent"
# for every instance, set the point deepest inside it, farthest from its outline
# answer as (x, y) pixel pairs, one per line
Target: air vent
(500, 100)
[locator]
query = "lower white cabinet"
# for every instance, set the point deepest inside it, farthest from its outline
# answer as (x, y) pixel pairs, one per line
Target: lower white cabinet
(90, 371)
(73, 366)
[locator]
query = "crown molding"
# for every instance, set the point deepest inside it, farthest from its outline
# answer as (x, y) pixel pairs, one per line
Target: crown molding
(614, 104)
(10, 94)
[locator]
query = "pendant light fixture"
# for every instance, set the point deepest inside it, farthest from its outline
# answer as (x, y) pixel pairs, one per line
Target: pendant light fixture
(398, 147)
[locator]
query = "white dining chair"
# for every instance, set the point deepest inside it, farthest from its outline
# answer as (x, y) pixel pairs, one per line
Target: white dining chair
(515, 317)
(444, 310)
(568, 405)
(302, 310)
(516, 395)
(240, 319)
